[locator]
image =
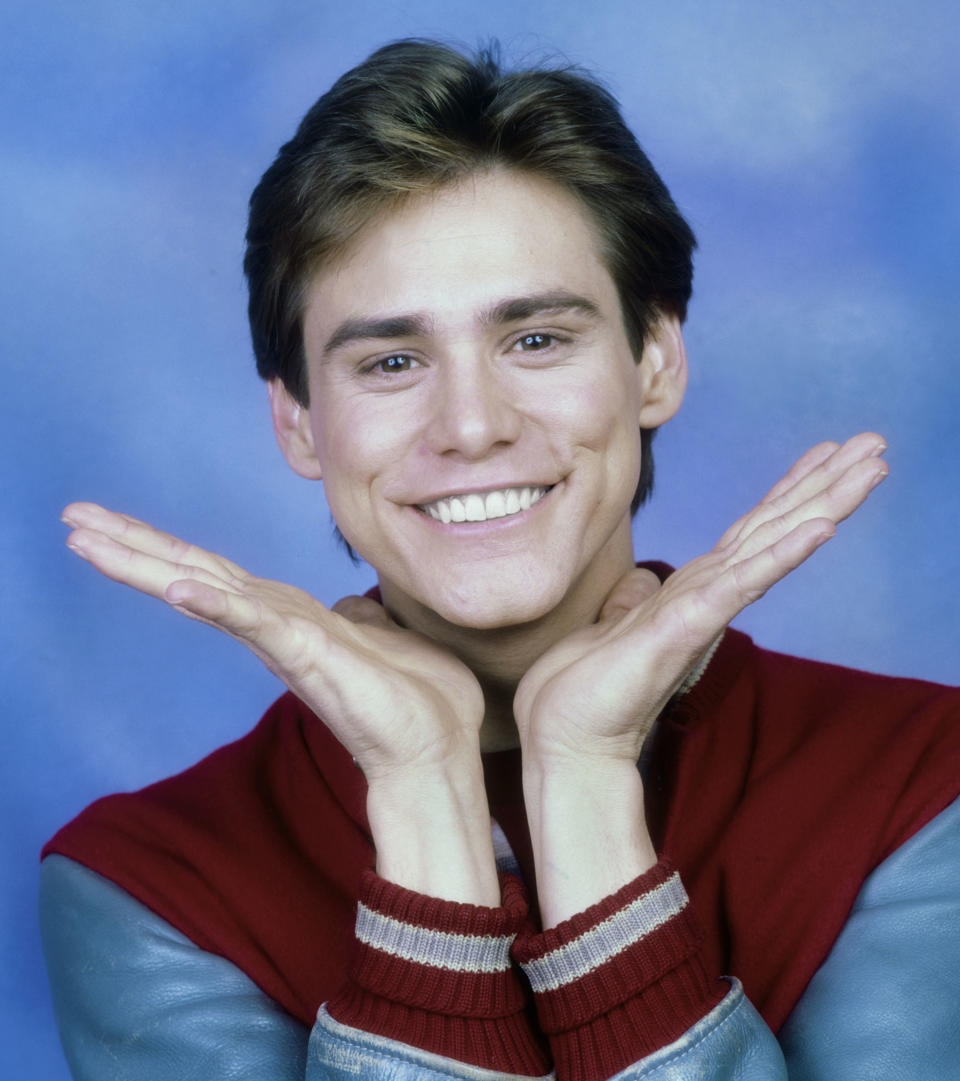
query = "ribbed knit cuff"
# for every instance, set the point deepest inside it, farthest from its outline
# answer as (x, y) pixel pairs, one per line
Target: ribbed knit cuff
(621, 979)
(438, 975)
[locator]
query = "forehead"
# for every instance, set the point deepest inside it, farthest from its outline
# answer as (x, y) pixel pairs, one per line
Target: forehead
(454, 252)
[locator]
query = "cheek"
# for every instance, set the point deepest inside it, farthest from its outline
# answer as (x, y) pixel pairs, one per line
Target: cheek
(606, 422)
(599, 414)
(352, 441)
(342, 462)
(361, 447)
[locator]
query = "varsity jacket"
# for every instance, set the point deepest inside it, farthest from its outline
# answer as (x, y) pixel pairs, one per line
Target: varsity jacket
(820, 856)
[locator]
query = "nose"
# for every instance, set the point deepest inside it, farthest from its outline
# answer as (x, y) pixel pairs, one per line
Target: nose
(473, 412)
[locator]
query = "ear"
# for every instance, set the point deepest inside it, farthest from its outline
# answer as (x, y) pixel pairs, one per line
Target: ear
(291, 425)
(662, 372)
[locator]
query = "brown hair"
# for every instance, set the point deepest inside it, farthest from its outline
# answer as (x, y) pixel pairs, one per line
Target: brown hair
(417, 115)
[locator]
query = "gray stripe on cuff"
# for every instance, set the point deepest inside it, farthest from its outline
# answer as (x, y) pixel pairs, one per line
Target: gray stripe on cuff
(441, 949)
(596, 946)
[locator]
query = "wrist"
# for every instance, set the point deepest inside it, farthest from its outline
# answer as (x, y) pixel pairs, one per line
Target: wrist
(431, 829)
(588, 830)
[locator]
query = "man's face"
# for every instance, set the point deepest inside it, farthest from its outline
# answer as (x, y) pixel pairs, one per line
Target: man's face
(475, 405)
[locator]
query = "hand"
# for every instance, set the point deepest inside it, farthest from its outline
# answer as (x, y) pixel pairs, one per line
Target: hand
(393, 698)
(596, 694)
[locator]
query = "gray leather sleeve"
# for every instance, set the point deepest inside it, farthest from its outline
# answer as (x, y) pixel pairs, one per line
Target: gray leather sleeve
(886, 1002)
(136, 1001)
(342, 1053)
(732, 1043)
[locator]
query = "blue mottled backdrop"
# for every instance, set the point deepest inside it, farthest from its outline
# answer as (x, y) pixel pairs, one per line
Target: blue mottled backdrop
(815, 148)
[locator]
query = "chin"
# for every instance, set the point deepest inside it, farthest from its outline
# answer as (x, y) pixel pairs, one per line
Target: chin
(496, 609)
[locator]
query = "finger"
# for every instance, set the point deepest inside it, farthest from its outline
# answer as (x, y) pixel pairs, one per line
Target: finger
(273, 636)
(239, 615)
(747, 580)
(864, 447)
(813, 480)
(845, 494)
(629, 593)
(364, 610)
(834, 504)
(145, 538)
(146, 573)
(801, 468)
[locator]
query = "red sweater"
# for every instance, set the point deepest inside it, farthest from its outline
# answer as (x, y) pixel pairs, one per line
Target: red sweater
(775, 786)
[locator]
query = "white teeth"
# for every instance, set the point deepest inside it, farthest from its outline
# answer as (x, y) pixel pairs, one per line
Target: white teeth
(496, 505)
(474, 507)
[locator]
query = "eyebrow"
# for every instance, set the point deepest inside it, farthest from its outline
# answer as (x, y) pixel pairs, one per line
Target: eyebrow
(419, 325)
(392, 326)
(516, 308)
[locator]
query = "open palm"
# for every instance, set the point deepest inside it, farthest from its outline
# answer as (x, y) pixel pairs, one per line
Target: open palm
(599, 691)
(391, 696)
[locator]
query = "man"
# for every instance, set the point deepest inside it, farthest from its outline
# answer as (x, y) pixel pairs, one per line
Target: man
(466, 296)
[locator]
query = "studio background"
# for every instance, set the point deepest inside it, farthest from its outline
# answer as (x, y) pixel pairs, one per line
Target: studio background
(815, 150)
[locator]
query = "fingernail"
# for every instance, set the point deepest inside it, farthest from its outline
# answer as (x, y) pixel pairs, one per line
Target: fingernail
(878, 478)
(878, 450)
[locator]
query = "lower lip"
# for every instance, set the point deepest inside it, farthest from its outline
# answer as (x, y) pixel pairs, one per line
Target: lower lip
(464, 529)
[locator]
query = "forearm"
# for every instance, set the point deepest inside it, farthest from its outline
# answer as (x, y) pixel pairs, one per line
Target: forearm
(587, 829)
(617, 973)
(431, 830)
(431, 968)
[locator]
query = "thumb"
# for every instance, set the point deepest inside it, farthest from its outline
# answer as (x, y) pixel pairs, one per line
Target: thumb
(630, 592)
(363, 610)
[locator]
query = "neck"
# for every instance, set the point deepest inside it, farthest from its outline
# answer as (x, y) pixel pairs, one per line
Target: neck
(499, 657)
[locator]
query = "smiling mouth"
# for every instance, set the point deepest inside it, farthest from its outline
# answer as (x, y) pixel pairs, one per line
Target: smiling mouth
(483, 506)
